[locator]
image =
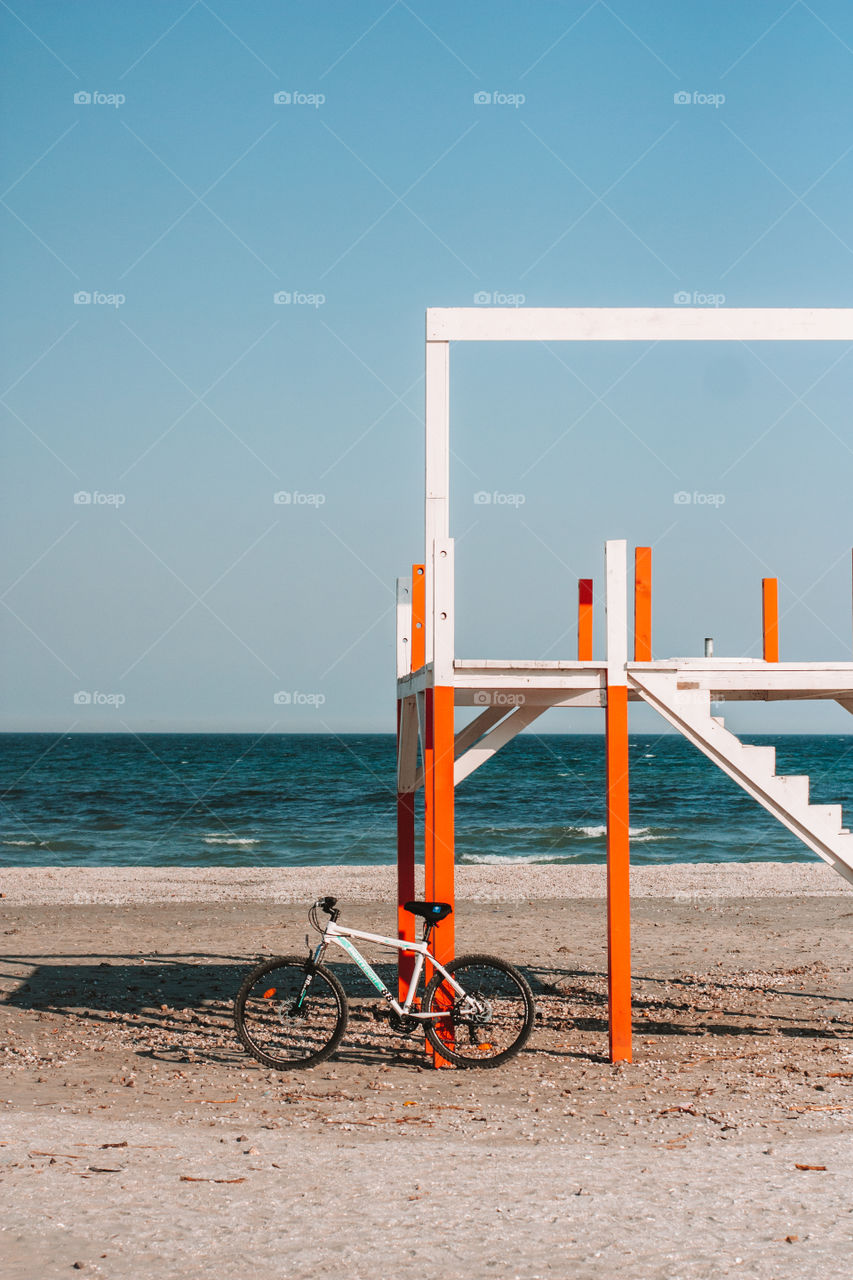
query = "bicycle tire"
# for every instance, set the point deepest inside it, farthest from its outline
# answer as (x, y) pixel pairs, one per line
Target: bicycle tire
(268, 1027)
(499, 1031)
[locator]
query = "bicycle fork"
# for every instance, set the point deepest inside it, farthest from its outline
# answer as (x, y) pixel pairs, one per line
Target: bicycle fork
(310, 969)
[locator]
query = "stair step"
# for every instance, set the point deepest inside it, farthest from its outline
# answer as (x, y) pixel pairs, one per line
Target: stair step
(842, 846)
(759, 759)
(827, 816)
(720, 720)
(794, 788)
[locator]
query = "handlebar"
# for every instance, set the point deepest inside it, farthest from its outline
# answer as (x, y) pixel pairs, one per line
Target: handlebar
(329, 906)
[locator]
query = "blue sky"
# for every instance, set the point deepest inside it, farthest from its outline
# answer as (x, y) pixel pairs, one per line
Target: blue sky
(183, 198)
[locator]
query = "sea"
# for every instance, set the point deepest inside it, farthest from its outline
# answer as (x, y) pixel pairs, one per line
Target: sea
(207, 800)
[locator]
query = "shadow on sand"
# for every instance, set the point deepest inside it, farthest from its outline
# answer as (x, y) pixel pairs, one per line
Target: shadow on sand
(188, 999)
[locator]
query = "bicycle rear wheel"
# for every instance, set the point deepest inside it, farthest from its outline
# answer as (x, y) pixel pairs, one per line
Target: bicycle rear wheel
(490, 1023)
(283, 1024)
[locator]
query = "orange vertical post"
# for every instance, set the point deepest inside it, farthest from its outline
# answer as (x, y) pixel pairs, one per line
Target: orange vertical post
(642, 604)
(618, 875)
(439, 812)
(405, 874)
(585, 620)
(439, 804)
(428, 762)
(418, 616)
(443, 862)
(770, 618)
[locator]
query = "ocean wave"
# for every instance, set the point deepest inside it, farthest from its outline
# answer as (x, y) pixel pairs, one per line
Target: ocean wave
(509, 859)
(636, 833)
(53, 846)
(549, 843)
(230, 840)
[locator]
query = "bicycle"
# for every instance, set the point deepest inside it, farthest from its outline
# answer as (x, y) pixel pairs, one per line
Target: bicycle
(292, 1012)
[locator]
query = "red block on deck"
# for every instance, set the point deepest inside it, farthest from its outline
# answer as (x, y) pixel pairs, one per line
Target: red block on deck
(585, 619)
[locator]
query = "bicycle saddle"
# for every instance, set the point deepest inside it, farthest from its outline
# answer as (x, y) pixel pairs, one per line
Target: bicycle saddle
(432, 911)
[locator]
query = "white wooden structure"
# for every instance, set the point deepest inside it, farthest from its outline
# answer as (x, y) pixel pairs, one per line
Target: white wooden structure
(432, 680)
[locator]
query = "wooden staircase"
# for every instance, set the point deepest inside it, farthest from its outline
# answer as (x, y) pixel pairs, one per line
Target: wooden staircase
(688, 709)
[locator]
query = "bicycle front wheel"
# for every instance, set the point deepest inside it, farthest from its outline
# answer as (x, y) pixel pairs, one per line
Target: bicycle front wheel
(490, 1023)
(285, 1024)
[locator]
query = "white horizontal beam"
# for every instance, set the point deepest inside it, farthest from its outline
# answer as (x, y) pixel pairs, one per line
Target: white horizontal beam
(462, 665)
(796, 679)
(638, 324)
(731, 678)
(521, 681)
(578, 675)
(537, 697)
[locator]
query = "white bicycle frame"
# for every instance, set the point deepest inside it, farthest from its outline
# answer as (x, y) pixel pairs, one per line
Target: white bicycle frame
(340, 936)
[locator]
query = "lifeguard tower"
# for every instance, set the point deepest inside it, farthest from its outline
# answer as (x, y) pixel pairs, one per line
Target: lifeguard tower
(432, 681)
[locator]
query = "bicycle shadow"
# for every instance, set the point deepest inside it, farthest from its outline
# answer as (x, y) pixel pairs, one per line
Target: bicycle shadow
(180, 1006)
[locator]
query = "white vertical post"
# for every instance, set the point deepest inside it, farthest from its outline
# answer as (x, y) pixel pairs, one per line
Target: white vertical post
(443, 578)
(437, 456)
(616, 607)
(404, 626)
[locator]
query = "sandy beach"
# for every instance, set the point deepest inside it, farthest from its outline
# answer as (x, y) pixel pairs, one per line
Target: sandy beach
(139, 1140)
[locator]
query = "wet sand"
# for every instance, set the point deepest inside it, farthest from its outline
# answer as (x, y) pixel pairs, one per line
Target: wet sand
(139, 1140)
